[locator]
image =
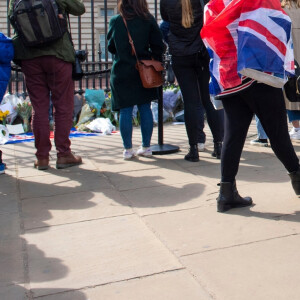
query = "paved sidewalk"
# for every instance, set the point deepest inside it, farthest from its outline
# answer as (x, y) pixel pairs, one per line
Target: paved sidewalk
(146, 229)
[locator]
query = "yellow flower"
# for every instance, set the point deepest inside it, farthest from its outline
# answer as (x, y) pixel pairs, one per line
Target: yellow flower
(3, 116)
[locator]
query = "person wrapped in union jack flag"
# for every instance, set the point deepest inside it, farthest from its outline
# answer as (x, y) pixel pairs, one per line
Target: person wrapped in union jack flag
(250, 46)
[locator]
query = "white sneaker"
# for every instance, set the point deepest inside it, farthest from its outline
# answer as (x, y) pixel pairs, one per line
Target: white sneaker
(260, 142)
(144, 151)
(292, 131)
(201, 147)
(128, 153)
(295, 135)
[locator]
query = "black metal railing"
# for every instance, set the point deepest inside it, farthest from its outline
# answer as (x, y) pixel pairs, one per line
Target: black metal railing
(97, 72)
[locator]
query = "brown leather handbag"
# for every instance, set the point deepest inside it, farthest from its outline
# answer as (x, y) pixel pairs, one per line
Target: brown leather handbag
(150, 70)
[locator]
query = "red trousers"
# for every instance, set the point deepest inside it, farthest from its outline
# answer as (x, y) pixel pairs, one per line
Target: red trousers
(45, 75)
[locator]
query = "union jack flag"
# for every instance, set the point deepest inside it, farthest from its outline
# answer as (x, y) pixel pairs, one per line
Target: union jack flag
(247, 37)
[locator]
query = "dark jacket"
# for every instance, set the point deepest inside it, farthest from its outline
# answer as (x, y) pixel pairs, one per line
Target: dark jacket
(62, 48)
(183, 41)
(126, 85)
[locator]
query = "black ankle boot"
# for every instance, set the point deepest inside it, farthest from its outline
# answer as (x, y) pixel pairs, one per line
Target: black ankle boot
(217, 150)
(193, 154)
(229, 197)
(295, 178)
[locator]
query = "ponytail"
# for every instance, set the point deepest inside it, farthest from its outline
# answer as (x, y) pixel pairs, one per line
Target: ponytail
(187, 17)
(288, 3)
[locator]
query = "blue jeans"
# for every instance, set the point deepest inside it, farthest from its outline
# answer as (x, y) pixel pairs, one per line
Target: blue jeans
(260, 131)
(146, 124)
(294, 115)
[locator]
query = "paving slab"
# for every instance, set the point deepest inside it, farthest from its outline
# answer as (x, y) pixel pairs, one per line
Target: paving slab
(93, 253)
(62, 183)
(268, 169)
(175, 285)
(8, 203)
(160, 199)
(202, 229)
(96, 143)
(8, 185)
(261, 270)
(29, 171)
(205, 160)
(277, 199)
(26, 169)
(262, 169)
(110, 163)
(14, 292)
(11, 251)
(155, 177)
(73, 207)
(252, 152)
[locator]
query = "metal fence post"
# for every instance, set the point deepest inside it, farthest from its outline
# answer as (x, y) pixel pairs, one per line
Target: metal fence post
(161, 148)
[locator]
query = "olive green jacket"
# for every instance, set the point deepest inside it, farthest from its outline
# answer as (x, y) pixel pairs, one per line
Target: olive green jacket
(61, 48)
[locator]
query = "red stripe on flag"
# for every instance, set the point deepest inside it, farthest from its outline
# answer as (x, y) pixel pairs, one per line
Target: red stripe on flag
(264, 32)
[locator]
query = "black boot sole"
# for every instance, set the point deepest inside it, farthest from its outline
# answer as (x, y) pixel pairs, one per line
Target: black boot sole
(192, 159)
(222, 207)
(64, 166)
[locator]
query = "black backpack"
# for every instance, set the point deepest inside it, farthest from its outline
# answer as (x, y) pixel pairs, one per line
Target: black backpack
(37, 22)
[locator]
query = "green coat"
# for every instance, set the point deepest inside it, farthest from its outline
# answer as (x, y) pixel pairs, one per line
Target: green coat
(126, 85)
(62, 48)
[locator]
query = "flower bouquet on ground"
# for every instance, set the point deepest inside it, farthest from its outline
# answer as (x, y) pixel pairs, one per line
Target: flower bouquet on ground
(172, 100)
(3, 116)
(24, 110)
(106, 111)
(87, 114)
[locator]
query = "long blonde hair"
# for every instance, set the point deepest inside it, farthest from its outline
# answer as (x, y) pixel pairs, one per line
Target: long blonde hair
(187, 17)
(290, 3)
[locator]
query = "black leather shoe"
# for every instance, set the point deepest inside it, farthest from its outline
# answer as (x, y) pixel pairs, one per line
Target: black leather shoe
(217, 150)
(229, 197)
(193, 154)
(295, 179)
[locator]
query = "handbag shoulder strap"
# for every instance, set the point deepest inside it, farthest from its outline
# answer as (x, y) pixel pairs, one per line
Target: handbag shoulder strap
(130, 40)
(70, 31)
